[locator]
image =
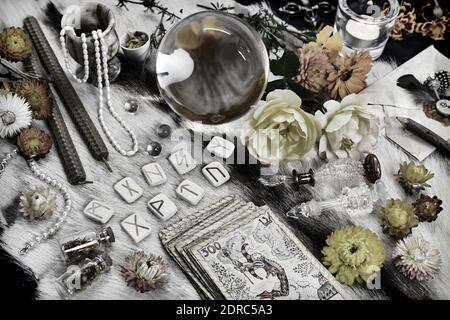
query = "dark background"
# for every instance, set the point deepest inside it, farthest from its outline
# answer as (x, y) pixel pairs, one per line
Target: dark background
(19, 283)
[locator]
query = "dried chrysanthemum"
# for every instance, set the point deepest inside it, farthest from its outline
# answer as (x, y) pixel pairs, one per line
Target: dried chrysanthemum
(6, 87)
(15, 115)
(329, 41)
(416, 259)
(314, 68)
(405, 22)
(144, 272)
(37, 95)
(34, 143)
(353, 253)
(413, 177)
(427, 208)
(350, 74)
(15, 44)
(398, 218)
(435, 29)
(40, 203)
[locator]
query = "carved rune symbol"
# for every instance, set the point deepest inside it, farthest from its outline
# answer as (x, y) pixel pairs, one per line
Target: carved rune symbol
(210, 170)
(156, 173)
(185, 187)
(157, 208)
(137, 225)
(93, 207)
(181, 158)
(266, 220)
(130, 190)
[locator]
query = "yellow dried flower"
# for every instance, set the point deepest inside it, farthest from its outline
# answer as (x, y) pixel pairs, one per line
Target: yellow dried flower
(413, 177)
(193, 34)
(353, 253)
(398, 218)
(15, 44)
(350, 74)
(329, 41)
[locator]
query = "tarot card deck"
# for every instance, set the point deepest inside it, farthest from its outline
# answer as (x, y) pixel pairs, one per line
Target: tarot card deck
(236, 250)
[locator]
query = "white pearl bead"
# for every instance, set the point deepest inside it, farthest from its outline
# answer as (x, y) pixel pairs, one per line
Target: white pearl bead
(44, 235)
(51, 231)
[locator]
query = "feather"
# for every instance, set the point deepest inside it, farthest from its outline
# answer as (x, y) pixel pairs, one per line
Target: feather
(420, 92)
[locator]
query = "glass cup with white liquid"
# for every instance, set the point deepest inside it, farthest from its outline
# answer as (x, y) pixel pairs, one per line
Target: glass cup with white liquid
(365, 25)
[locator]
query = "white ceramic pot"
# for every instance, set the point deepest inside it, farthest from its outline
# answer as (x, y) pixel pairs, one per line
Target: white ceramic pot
(135, 54)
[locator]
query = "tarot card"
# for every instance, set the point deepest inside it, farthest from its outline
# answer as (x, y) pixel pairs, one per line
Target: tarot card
(260, 258)
(210, 228)
(171, 242)
(171, 230)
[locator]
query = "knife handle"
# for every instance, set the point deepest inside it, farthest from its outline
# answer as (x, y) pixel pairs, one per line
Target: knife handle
(426, 134)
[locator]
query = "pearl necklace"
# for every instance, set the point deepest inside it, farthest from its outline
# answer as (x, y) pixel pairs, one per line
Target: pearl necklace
(101, 59)
(60, 187)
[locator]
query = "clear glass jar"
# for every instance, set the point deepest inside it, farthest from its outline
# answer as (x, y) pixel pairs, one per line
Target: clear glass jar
(78, 277)
(366, 24)
(85, 244)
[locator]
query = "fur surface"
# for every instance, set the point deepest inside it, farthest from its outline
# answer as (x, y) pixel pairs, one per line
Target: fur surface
(44, 261)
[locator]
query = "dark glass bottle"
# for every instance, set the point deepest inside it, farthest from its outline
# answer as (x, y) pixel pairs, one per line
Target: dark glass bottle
(86, 244)
(78, 277)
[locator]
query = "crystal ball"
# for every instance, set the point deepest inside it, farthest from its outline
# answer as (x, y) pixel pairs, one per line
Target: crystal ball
(212, 67)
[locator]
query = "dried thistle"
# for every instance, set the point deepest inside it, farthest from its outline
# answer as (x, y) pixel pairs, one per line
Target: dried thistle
(144, 272)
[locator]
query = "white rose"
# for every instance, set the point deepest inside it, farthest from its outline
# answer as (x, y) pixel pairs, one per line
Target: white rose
(277, 129)
(350, 128)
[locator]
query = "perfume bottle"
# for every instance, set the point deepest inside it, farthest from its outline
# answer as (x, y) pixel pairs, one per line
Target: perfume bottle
(85, 244)
(78, 277)
(343, 172)
(356, 201)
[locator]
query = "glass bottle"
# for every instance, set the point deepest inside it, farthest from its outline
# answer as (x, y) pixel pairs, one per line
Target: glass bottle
(85, 244)
(79, 277)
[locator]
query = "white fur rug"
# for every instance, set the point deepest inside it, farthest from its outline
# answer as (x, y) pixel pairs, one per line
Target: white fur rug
(44, 261)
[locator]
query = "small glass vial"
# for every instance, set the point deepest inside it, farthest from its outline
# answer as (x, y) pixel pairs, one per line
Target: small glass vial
(85, 244)
(78, 277)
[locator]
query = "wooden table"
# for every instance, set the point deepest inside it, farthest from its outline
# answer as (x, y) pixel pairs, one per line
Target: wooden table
(43, 260)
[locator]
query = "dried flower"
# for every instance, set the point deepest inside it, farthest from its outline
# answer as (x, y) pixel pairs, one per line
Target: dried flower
(350, 128)
(278, 129)
(192, 35)
(353, 253)
(144, 272)
(314, 68)
(350, 73)
(413, 177)
(6, 87)
(416, 259)
(427, 208)
(405, 22)
(40, 203)
(135, 40)
(398, 218)
(34, 143)
(15, 44)
(15, 115)
(329, 41)
(435, 29)
(38, 97)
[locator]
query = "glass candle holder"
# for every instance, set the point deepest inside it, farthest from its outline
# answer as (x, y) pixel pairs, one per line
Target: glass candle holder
(366, 24)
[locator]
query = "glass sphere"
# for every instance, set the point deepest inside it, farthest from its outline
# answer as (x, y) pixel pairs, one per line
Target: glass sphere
(212, 67)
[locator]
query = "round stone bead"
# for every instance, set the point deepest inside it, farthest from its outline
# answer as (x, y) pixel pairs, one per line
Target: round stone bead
(163, 131)
(154, 148)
